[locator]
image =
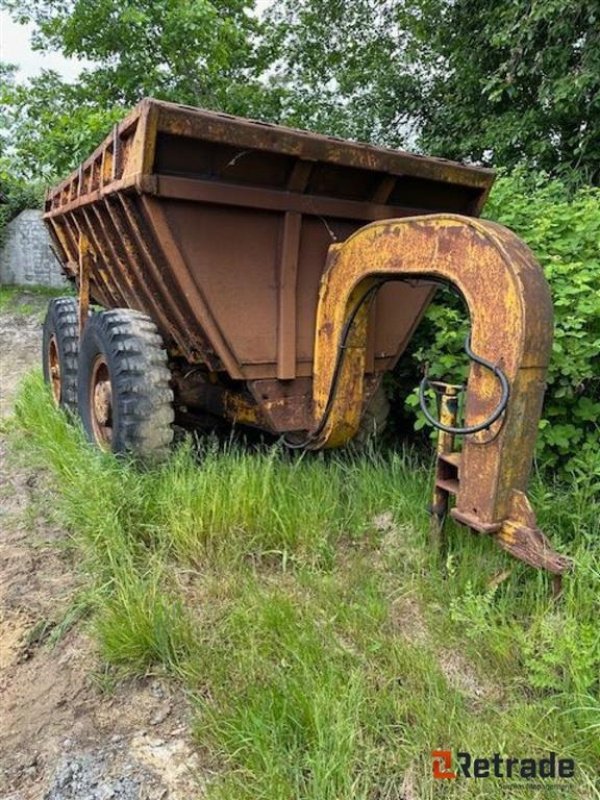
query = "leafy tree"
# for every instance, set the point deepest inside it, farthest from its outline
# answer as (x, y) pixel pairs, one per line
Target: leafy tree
(201, 52)
(15, 192)
(194, 51)
(503, 82)
(518, 83)
(7, 77)
(345, 68)
(49, 126)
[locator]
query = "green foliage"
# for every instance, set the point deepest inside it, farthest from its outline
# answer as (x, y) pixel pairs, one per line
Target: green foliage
(142, 627)
(343, 68)
(505, 83)
(198, 52)
(563, 658)
(517, 83)
(52, 126)
(559, 651)
(19, 195)
(564, 233)
(314, 677)
(563, 230)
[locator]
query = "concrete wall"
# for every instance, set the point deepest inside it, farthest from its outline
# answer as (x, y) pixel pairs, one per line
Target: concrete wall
(26, 258)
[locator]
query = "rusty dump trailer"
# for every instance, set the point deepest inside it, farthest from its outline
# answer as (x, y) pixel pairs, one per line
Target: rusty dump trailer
(271, 276)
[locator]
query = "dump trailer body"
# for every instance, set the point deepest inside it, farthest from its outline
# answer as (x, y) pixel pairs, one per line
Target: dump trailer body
(219, 227)
(285, 273)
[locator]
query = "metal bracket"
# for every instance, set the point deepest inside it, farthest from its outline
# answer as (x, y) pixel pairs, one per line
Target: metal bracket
(85, 255)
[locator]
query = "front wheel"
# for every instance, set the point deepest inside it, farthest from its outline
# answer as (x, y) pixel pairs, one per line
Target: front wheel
(124, 398)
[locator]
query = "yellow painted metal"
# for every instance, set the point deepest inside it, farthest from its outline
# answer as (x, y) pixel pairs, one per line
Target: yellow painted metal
(140, 157)
(511, 316)
(448, 415)
(84, 280)
(243, 412)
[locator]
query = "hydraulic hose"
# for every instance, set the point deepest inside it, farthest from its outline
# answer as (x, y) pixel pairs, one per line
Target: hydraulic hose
(369, 295)
(496, 413)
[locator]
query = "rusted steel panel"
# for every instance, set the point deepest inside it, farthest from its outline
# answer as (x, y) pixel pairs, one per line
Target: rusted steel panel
(210, 126)
(286, 404)
(288, 275)
(109, 246)
(212, 346)
(203, 248)
(200, 191)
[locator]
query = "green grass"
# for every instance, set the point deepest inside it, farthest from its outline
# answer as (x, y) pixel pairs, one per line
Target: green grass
(10, 294)
(324, 649)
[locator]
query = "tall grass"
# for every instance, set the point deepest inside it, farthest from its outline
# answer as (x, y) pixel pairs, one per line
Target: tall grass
(9, 294)
(219, 501)
(296, 598)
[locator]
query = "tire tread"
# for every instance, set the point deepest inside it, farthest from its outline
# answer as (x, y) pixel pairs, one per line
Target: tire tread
(62, 320)
(140, 377)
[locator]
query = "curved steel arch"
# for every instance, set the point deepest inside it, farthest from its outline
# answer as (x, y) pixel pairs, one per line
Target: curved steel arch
(511, 315)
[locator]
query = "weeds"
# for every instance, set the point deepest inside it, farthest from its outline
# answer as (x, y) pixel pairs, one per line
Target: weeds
(9, 294)
(297, 600)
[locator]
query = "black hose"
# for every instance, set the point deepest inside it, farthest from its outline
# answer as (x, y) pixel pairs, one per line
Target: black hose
(500, 408)
(370, 293)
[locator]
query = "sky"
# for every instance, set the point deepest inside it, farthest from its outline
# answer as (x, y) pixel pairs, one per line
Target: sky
(15, 47)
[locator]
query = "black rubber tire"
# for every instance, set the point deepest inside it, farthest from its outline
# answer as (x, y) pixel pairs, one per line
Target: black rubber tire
(374, 418)
(141, 398)
(62, 323)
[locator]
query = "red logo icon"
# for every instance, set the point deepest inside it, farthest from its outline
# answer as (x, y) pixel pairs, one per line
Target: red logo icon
(442, 764)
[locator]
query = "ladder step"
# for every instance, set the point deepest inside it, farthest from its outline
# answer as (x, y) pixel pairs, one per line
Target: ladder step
(448, 484)
(451, 458)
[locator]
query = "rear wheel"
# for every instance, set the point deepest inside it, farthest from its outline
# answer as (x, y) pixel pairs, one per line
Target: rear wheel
(125, 401)
(60, 350)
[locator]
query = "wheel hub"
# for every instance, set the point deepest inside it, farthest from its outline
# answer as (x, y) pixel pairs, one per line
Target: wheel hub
(54, 369)
(102, 401)
(101, 410)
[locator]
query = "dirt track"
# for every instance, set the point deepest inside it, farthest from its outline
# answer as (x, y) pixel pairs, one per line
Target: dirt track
(63, 735)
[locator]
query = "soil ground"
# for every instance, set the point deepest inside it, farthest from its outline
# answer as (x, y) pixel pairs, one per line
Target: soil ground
(63, 734)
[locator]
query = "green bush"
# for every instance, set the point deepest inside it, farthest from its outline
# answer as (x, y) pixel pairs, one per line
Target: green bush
(18, 195)
(562, 227)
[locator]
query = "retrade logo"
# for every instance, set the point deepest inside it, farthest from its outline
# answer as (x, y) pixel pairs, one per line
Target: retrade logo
(497, 766)
(442, 764)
